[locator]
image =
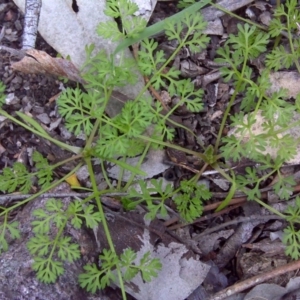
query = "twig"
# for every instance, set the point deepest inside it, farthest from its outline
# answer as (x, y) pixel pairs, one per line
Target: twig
(11, 197)
(19, 54)
(2, 33)
(253, 281)
(236, 221)
(201, 219)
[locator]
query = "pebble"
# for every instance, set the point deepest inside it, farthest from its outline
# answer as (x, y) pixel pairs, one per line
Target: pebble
(38, 109)
(8, 31)
(11, 99)
(18, 25)
(44, 118)
(17, 80)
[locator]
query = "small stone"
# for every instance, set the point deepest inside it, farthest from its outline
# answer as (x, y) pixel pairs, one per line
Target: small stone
(11, 99)
(44, 118)
(64, 133)
(18, 25)
(8, 31)
(38, 109)
(17, 80)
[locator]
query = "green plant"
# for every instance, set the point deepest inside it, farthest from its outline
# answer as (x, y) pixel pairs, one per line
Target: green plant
(287, 19)
(47, 251)
(189, 203)
(291, 236)
(249, 43)
(94, 278)
(188, 198)
(185, 3)
(275, 110)
(126, 135)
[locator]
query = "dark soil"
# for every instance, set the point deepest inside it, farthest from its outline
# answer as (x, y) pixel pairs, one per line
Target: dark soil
(29, 92)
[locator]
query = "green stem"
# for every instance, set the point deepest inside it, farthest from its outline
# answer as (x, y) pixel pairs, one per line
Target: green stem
(289, 31)
(3, 228)
(283, 130)
(224, 119)
(238, 17)
(98, 121)
(258, 103)
(104, 173)
(121, 173)
(65, 161)
(137, 166)
(60, 231)
(197, 154)
(104, 223)
(93, 133)
(40, 193)
(70, 148)
(233, 97)
(270, 208)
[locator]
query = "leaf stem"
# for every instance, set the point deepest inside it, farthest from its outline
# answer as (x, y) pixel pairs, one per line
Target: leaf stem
(53, 185)
(233, 97)
(268, 207)
(70, 148)
(227, 12)
(104, 223)
(129, 182)
(149, 139)
(289, 31)
(224, 119)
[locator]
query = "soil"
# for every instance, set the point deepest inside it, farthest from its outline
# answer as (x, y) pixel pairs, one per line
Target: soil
(29, 92)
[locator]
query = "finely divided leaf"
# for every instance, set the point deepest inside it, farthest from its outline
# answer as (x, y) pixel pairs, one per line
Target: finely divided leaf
(66, 250)
(47, 270)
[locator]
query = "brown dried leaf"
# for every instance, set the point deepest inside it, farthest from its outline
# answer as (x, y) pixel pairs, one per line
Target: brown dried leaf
(39, 62)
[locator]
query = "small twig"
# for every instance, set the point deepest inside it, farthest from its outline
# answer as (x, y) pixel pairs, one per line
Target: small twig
(156, 94)
(19, 54)
(203, 218)
(2, 33)
(236, 200)
(253, 281)
(11, 197)
(236, 221)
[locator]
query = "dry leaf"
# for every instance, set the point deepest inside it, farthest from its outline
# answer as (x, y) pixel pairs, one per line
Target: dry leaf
(73, 181)
(39, 62)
